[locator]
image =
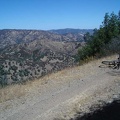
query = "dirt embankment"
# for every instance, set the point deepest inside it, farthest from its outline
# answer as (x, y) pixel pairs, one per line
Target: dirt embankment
(61, 96)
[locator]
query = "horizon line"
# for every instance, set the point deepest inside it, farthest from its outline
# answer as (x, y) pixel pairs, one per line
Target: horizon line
(47, 29)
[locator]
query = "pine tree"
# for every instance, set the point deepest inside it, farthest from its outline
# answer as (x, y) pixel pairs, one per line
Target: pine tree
(119, 21)
(113, 25)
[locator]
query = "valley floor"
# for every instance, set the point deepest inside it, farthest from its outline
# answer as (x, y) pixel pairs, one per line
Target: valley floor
(60, 96)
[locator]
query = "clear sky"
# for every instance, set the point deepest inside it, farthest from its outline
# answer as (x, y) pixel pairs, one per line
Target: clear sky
(55, 14)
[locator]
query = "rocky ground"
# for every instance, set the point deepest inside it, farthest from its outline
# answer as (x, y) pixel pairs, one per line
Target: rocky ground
(66, 94)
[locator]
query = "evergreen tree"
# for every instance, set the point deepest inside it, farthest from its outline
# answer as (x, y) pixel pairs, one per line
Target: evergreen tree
(113, 25)
(119, 21)
(106, 20)
(109, 29)
(87, 37)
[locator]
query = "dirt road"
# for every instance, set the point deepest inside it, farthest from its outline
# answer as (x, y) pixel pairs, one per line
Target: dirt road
(68, 92)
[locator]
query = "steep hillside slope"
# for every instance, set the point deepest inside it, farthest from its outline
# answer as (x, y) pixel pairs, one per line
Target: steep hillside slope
(60, 96)
(29, 54)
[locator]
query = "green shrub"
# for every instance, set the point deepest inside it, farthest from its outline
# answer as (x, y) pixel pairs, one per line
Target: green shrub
(102, 39)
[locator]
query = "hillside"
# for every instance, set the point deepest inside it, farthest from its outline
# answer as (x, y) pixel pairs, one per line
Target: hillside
(14, 36)
(63, 95)
(29, 54)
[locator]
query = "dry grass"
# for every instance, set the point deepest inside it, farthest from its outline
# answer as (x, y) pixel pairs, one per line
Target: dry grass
(11, 92)
(17, 91)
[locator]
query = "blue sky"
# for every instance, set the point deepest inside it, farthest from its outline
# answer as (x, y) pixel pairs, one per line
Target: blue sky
(55, 14)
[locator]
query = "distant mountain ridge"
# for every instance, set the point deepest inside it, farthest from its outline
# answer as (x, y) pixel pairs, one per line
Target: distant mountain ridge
(30, 54)
(71, 30)
(16, 36)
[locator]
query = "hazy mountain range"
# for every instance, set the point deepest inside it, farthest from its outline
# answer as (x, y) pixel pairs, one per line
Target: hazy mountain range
(72, 31)
(11, 36)
(29, 54)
